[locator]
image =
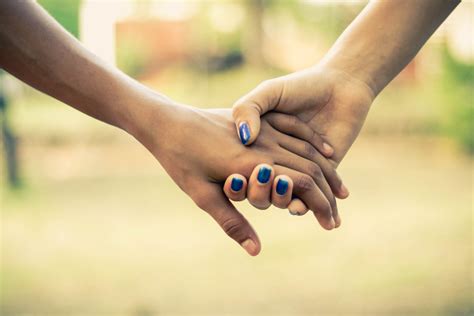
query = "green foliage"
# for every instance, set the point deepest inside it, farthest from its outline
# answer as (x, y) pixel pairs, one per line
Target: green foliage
(66, 12)
(132, 56)
(459, 78)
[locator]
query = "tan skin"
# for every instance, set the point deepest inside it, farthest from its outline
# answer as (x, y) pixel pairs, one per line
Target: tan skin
(199, 169)
(196, 147)
(334, 97)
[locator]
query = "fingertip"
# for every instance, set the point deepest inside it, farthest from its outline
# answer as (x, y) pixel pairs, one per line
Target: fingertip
(282, 190)
(338, 221)
(238, 183)
(253, 248)
(331, 224)
(265, 173)
(235, 187)
(327, 224)
(282, 185)
(344, 191)
(328, 151)
(297, 207)
(260, 186)
(247, 119)
(244, 133)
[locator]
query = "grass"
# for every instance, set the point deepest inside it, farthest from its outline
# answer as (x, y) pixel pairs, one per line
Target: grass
(95, 239)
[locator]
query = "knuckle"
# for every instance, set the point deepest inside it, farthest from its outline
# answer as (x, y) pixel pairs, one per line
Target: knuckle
(316, 138)
(332, 174)
(315, 171)
(292, 122)
(325, 207)
(267, 84)
(304, 183)
(310, 150)
(239, 109)
(233, 227)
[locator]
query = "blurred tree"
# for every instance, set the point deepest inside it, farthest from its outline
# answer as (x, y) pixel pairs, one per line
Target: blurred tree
(253, 32)
(459, 78)
(66, 12)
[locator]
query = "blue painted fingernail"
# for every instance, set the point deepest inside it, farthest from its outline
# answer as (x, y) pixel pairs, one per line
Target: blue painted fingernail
(282, 186)
(264, 174)
(244, 132)
(236, 184)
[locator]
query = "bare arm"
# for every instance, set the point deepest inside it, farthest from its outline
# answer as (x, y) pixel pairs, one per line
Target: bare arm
(373, 49)
(37, 50)
(385, 36)
(185, 140)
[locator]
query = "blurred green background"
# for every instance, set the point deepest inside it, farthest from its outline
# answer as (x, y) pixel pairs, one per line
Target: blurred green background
(94, 226)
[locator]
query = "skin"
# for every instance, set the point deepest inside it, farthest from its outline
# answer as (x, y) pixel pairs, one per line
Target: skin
(203, 151)
(334, 96)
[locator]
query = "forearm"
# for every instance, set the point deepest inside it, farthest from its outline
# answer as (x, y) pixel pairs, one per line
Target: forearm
(385, 36)
(37, 50)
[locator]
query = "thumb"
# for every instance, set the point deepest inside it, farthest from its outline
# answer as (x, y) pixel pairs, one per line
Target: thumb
(234, 224)
(248, 109)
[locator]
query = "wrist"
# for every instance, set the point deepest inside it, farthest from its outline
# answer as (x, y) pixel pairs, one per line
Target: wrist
(350, 69)
(344, 81)
(148, 116)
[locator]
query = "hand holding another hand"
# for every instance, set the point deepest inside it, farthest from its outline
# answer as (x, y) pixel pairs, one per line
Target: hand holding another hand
(199, 151)
(331, 102)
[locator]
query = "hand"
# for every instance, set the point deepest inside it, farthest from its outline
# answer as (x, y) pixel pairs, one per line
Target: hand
(330, 101)
(237, 188)
(198, 151)
(333, 103)
(260, 195)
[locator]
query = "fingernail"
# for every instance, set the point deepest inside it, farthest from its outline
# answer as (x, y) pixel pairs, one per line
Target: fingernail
(250, 246)
(327, 148)
(264, 174)
(344, 190)
(338, 221)
(244, 132)
(236, 184)
(294, 213)
(282, 186)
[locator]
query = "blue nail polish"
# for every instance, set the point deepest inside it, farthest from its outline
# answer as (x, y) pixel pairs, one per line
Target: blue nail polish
(282, 186)
(244, 132)
(236, 184)
(264, 174)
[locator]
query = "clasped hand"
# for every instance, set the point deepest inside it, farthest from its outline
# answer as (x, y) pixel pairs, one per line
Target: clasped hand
(288, 164)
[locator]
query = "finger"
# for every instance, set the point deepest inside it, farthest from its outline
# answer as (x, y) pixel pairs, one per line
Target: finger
(281, 191)
(235, 225)
(260, 186)
(297, 207)
(292, 125)
(248, 109)
(311, 169)
(305, 188)
(306, 150)
(235, 187)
